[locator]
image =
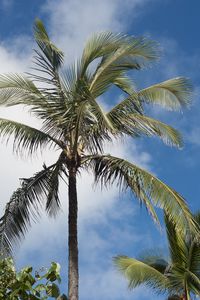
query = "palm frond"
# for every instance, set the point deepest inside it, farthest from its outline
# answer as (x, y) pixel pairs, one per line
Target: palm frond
(138, 273)
(172, 94)
(194, 258)
(22, 208)
(99, 45)
(177, 244)
(17, 89)
(101, 117)
(193, 282)
(25, 138)
(108, 169)
(150, 126)
(121, 112)
(53, 57)
(156, 261)
(53, 202)
(26, 203)
(133, 53)
(47, 61)
(135, 124)
(193, 263)
(125, 83)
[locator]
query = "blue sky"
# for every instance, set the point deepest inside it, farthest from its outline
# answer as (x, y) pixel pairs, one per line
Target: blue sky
(109, 223)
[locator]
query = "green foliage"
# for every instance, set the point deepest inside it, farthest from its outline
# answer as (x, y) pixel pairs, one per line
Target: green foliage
(179, 276)
(74, 123)
(25, 285)
(150, 190)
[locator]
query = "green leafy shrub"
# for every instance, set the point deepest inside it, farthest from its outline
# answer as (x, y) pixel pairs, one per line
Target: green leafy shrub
(27, 285)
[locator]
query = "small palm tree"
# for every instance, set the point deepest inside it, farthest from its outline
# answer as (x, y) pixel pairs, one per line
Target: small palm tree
(66, 101)
(179, 276)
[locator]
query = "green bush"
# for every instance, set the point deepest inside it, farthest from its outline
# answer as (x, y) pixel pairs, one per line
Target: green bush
(27, 285)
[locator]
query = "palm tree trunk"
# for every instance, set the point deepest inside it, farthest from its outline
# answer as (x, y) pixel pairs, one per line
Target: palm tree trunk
(73, 276)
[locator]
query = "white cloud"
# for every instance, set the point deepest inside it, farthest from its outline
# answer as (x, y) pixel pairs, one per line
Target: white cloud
(15, 54)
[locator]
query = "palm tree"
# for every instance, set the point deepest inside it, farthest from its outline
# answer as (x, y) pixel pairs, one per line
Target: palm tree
(74, 123)
(179, 275)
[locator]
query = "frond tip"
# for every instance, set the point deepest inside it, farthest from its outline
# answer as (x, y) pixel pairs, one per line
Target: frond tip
(53, 57)
(173, 94)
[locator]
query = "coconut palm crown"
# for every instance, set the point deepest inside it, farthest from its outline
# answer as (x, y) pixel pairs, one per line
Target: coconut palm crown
(66, 102)
(179, 275)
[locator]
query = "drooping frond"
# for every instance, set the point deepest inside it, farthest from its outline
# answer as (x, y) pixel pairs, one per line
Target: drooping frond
(25, 138)
(25, 205)
(139, 273)
(53, 202)
(133, 53)
(172, 94)
(155, 259)
(22, 205)
(150, 126)
(17, 89)
(108, 169)
(129, 122)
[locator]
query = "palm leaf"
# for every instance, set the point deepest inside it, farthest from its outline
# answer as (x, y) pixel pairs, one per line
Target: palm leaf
(22, 206)
(99, 45)
(193, 263)
(173, 94)
(25, 203)
(194, 258)
(16, 89)
(53, 57)
(177, 244)
(155, 260)
(48, 62)
(120, 113)
(138, 273)
(53, 202)
(108, 169)
(127, 121)
(193, 282)
(150, 126)
(133, 53)
(125, 83)
(25, 137)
